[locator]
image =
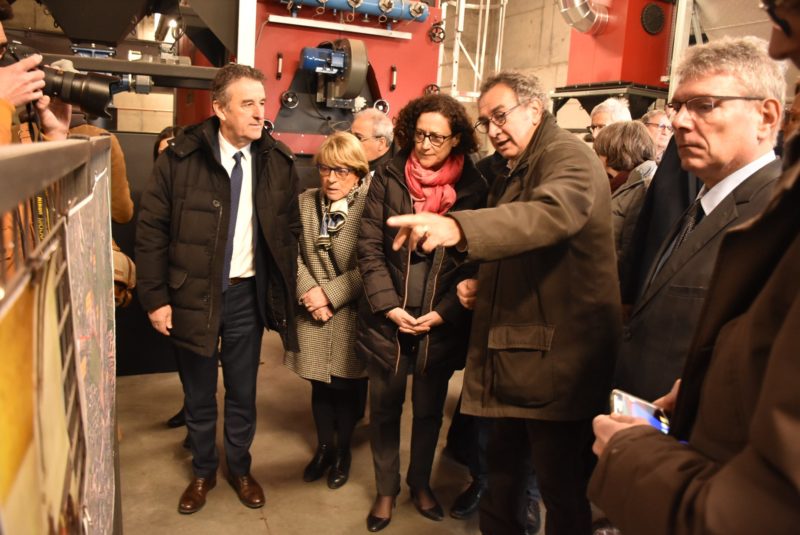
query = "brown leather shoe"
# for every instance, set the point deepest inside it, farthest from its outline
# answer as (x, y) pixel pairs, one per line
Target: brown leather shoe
(194, 497)
(248, 490)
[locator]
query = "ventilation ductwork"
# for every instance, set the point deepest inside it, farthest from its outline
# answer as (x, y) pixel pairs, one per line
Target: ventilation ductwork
(584, 15)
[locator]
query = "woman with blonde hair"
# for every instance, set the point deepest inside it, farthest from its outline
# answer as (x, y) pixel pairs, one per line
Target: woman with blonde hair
(328, 287)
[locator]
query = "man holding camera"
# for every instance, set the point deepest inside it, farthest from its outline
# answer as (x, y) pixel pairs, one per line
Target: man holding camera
(21, 83)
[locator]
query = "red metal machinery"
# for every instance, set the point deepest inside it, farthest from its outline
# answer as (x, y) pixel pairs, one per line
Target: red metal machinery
(403, 62)
(628, 55)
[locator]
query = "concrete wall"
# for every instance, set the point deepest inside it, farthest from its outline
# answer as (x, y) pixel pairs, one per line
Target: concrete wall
(536, 41)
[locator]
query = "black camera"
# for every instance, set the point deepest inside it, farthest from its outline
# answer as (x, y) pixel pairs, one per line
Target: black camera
(91, 91)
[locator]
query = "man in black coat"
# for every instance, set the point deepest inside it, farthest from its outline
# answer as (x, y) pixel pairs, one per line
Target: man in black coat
(216, 254)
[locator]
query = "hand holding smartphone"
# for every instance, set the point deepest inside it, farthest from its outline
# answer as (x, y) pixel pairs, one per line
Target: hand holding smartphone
(630, 405)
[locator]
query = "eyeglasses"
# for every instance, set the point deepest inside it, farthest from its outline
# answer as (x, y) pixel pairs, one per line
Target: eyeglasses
(702, 105)
(340, 172)
(437, 140)
(769, 6)
(498, 118)
(591, 129)
(362, 139)
(662, 127)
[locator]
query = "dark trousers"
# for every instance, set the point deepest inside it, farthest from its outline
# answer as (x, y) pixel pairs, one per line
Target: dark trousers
(335, 407)
(387, 391)
(560, 453)
(240, 331)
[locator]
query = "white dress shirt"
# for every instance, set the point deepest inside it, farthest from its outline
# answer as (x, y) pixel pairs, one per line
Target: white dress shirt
(710, 199)
(243, 244)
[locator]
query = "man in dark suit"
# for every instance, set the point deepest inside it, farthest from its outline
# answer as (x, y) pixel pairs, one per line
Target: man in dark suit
(725, 126)
(216, 251)
(738, 406)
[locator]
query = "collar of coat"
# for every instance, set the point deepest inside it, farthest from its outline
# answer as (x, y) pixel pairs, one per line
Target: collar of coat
(545, 130)
(203, 136)
(495, 165)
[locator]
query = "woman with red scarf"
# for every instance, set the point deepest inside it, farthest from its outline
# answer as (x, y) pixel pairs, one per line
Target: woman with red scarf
(410, 319)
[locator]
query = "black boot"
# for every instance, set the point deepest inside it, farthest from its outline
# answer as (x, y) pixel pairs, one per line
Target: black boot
(340, 471)
(468, 501)
(322, 461)
(178, 420)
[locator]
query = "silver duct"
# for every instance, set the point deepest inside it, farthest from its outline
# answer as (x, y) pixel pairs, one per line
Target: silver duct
(584, 15)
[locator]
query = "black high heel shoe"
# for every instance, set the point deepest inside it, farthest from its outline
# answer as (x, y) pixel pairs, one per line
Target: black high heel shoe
(435, 512)
(377, 523)
(340, 470)
(322, 460)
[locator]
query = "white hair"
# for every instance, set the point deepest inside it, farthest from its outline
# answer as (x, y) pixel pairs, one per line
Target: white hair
(617, 108)
(381, 124)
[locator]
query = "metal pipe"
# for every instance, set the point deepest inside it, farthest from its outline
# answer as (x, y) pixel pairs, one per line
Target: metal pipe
(413, 10)
(584, 15)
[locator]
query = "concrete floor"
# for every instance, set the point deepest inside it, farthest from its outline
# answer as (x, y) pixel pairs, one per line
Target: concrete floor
(155, 469)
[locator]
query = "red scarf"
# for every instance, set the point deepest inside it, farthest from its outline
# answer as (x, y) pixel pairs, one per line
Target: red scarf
(431, 190)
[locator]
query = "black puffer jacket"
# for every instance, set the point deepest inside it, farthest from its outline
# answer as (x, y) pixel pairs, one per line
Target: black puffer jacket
(183, 227)
(384, 273)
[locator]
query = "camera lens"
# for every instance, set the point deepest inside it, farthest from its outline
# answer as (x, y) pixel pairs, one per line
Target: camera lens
(91, 91)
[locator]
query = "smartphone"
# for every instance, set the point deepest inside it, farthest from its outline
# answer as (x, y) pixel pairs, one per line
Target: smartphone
(630, 405)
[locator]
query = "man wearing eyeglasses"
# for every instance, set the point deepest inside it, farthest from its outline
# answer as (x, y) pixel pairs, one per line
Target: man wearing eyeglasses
(726, 114)
(546, 304)
(729, 463)
(660, 130)
(611, 110)
(375, 131)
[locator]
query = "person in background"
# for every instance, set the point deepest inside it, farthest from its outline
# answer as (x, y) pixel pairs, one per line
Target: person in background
(121, 202)
(374, 130)
(660, 130)
(627, 152)
(328, 288)
(164, 139)
(611, 110)
(730, 462)
(410, 320)
(216, 252)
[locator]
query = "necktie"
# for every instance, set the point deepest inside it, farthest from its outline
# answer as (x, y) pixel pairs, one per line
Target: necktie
(689, 221)
(236, 190)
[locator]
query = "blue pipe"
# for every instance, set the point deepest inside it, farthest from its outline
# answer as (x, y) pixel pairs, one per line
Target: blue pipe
(402, 9)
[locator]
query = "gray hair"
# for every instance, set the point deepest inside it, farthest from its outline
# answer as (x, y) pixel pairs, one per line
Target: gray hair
(229, 74)
(526, 86)
(647, 117)
(381, 124)
(625, 145)
(617, 108)
(745, 58)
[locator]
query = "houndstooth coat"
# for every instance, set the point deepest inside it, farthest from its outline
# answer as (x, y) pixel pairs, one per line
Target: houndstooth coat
(327, 349)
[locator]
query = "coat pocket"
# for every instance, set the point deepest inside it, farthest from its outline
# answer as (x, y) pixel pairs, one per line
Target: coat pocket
(523, 373)
(176, 278)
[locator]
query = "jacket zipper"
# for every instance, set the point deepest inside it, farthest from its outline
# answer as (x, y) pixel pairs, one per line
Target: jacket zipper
(216, 241)
(405, 289)
(438, 269)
